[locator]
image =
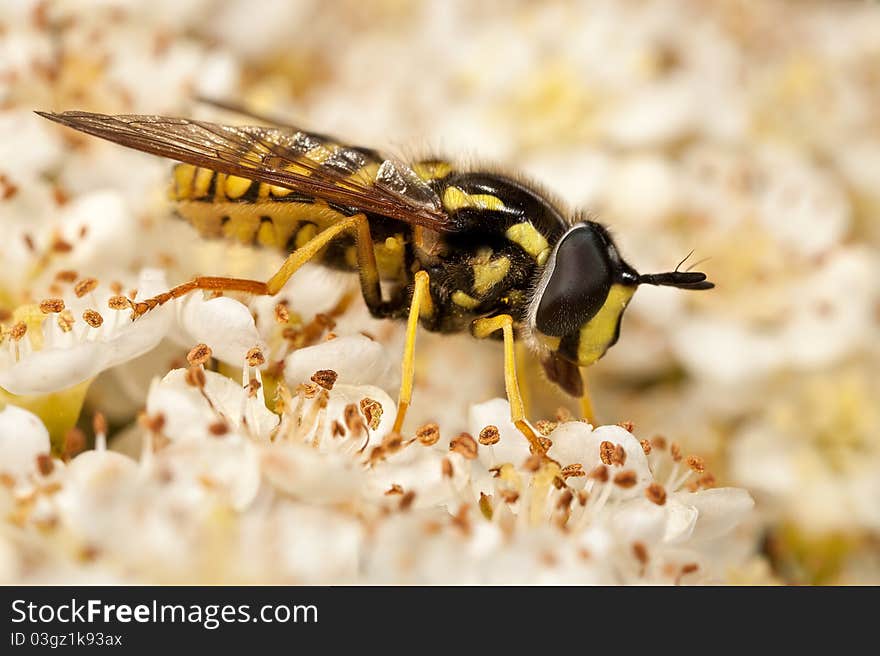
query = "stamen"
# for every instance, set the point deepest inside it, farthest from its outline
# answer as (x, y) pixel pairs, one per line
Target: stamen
(282, 314)
(600, 473)
(646, 447)
(372, 411)
(656, 493)
(446, 468)
(675, 450)
(195, 377)
(92, 318)
(99, 426)
(218, 428)
(18, 331)
(85, 286)
(66, 276)
(696, 463)
(606, 452)
(489, 436)
(74, 443)
(625, 479)
(118, 303)
(255, 357)
(66, 321)
(45, 464)
(199, 354)
(464, 445)
(51, 305)
(326, 378)
(428, 434)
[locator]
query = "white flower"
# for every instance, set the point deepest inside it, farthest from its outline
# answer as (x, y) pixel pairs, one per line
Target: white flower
(64, 348)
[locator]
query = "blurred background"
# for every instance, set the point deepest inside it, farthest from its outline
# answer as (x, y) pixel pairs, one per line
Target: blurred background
(746, 132)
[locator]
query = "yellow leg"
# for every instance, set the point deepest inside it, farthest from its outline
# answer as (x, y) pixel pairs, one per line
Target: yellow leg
(522, 363)
(483, 328)
(421, 305)
(587, 402)
(367, 268)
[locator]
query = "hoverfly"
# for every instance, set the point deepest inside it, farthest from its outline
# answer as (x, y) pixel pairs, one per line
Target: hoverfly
(460, 249)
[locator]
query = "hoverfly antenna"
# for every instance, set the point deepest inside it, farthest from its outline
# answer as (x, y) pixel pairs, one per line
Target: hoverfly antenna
(679, 279)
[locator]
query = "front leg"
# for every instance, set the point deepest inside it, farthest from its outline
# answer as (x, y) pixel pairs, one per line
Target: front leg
(482, 328)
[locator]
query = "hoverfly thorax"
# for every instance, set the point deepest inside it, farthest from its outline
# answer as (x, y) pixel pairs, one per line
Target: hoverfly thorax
(580, 298)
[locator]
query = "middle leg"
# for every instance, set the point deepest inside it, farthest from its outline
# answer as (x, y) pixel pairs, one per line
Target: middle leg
(483, 328)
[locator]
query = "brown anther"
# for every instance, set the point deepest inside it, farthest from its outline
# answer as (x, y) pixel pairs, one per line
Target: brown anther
(18, 331)
(326, 378)
(282, 314)
(199, 354)
(627, 426)
(85, 286)
(658, 442)
(707, 481)
(372, 411)
(583, 497)
(689, 568)
(395, 488)
(116, 287)
(218, 428)
(8, 188)
(428, 434)
(625, 479)
(533, 462)
(575, 470)
(153, 423)
(600, 473)
(74, 443)
(565, 500)
(66, 276)
(646, 447)
(510, 496)
(60, 196)
(195, 377)
(93, 318)
(656, 494)
(546, 427)
(619, 455)
(118, 302)
(640, 551)
(337, 429)
(392, 442)
(464, 445)
(51, 305)
(255, 357)
(99, 424)
(5, 314)
(606, 452)
(407, 500)
(489, 436)
(59, 245)
(446, 466)
(544, 443)
(352, 419)
(253, 387)
(696, 463)
(66, 321)
(45, 464)
(675, 450)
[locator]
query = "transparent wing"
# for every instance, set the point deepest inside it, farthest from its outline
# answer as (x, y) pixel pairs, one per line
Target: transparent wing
(281, 156)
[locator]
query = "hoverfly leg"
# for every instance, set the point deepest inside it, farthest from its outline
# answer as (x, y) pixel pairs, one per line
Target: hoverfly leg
(420, 306)
(482, 328)
(587, 411)
(369, 272)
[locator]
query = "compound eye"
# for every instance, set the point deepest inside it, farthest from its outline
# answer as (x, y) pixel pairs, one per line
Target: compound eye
(578, 284)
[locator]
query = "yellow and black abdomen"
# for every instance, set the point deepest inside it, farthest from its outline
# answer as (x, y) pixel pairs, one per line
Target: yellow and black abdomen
(243, 211)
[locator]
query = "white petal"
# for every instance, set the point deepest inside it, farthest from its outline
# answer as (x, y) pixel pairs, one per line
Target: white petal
(680, 520)
(307, 474)
(639, 520)
(720, 510)
(222, 323)
(22, 438)
(512, 447)
(356, 359)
